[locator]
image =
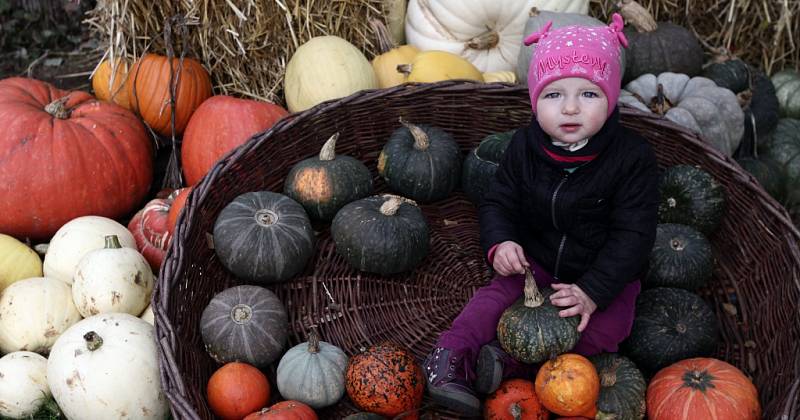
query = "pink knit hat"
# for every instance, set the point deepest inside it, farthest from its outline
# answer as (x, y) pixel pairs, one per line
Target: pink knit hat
(578, 51)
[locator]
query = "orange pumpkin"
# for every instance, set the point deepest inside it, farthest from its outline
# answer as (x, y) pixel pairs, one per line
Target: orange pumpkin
(385, 379)
(236, 390)
(218, 126)
(514, 399)
(177, 207)
(284, 410)
(150, 230)
(148, 91)
(112, 86)
(700, 389)
(569, 386)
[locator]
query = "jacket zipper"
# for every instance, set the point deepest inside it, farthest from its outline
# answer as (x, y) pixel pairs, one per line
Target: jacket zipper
(558, 256)
(555, 224)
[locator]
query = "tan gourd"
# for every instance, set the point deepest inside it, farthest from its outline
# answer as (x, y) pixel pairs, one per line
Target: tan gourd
(17, 261)
(385, 64)
(500, 77)
(435, 66)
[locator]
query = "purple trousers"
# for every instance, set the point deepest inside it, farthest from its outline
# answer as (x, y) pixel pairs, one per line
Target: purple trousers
(476, 325)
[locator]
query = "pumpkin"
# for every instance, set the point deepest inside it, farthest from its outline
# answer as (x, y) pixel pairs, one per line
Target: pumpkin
(622, 388)
(245, 323)
(435, 66)
(787, 89)
(112, 279)
(33, 313)
(325, 68)
(236, 390)
(670, 325)
(23, 384)
(149, 91)
(395, 12)
(175, 210)
(782, 145)
(77, 238)
(681, 257)
(150, 231)
(323, 366)
(389, 57)
(17, 261)
(481, 164)
(515, 399)
(110, 82)
(105, 367)
(93, 158)
(696, 103)
(325, 183)
(220, 124)
(505, 76)
(702, 389)
(568, 386)
(284, 410)
(691, 196)
(770, 174)
(420, 162)
(381, 234)
(385, 379)
(531, 330)
(148, 315)
(263, 237)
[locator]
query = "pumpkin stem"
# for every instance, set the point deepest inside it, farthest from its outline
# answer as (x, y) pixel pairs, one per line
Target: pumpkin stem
(484, 41)
(533, 12)
(421, 139)
(515, 410)
(660, 104)
(112, 242)
(637, 16)
(328, 151)
(681, 328)
(672, 202)
(533, 297)
(313, 340)
(93, 340)
(677, 244)
(404, 68)
(608, 378)
(385, 41)
(57, 108)
(241, 314)
(266, 217)
(390, 206)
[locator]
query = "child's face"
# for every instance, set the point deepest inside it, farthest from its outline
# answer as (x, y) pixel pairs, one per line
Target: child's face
(571, 109)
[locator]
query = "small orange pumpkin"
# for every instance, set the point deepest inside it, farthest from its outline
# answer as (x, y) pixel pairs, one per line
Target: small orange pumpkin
(514, 399)
(175, 210)
(112, 86)
(284, 410)
(236, 390)
(569, 386)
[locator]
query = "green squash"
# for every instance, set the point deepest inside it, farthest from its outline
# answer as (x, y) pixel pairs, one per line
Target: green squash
(325, 183)
(769, 173)
(481, 164)
(381, 234)
(531, 330)
(783, 146)
(420, 162)
(681, 257)
(622, 388)
(787, 88)
(691, 196)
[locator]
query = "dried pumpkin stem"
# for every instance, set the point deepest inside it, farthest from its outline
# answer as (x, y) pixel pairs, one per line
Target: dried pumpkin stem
(421, 139)
(93, 340)
(533, 12)
(112, 242)
(533, 297)
(313, 340)
(390, 207)
(608, 378)
(404, 68)
(660, 104)
(385, 42)
(484, 41)
(58, 109)
(637, 16)
(328, 151)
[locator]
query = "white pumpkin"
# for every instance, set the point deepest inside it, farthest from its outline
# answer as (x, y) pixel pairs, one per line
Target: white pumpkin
(148, 315)
(325, 68)
(112, 279)
(23, 384)
(33, 313)
(76, 238)
(563, 6)
(106, 367)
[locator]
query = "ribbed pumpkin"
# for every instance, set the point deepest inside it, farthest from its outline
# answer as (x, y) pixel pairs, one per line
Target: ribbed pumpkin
(670, 325)
(691, 196)
(702, 389)
(220, 124)
(284, 410)
(622, 388)
(783, 146)
(150, 230)
(17, 261)
(245, 323)
(420, 162)
(325, 183)
(93, 158)
(149, 86)
(568, 386)
(515, 399)
(236, 390)
(322, 365)
(385, 379)
(110, 82)
(681, 257)
(263, 237)
(787, 88)
(435, 66)
(531, 329)
(770, 174)
(381, 234)
(390, 56)
(481, 164)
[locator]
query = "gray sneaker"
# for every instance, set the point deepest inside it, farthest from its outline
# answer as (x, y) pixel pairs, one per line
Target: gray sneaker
(448, 384)
(495, 365)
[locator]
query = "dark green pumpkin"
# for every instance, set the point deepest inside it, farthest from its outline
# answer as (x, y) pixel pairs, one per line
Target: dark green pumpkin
(245, 323)
(783, 146)
(383, 234)
(769, 173)
(691, 196)
(787, 88)
(531, 330)
(622, 388)
(420, 162)
(263, 237)
(681, 257)
(670, 325)
(325, 183)
(481, 164)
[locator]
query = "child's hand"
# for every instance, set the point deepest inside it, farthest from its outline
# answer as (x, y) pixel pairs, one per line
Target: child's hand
(509, 258)
(578, 301)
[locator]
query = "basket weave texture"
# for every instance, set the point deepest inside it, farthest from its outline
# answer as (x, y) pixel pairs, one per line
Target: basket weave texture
(754, 291)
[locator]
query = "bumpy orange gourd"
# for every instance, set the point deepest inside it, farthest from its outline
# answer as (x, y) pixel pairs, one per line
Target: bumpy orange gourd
(116, 90)
(514, 399)
(284, 410)
(236, 390)
(569, 386)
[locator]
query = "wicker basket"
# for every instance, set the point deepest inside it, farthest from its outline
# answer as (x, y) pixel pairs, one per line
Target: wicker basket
(755, 289)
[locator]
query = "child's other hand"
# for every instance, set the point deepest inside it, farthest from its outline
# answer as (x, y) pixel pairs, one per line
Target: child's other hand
(578, 301)
(509, 258)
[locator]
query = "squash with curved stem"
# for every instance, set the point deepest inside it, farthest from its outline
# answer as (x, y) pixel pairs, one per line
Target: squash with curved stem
(568, 386)
(622, 388)
(435, 66)
(17, 261)
(390, 56)
(482, 163)
(23, 384)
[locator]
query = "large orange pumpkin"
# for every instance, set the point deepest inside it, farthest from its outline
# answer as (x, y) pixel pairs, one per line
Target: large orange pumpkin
(569, 386)
(112, 86)
(514, 399)
(284, 410)
(148, 91)
(236, 390)
(219, 125)
(700, 389)
(64, 155)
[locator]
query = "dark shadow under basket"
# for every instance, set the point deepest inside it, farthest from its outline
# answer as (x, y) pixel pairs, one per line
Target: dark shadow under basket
(755, 289)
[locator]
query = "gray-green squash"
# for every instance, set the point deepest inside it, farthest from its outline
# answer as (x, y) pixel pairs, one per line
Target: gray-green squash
(681, 257)
(691, 196)
(787, 88)
(783, 146)
(481, 164)
(622, 388)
